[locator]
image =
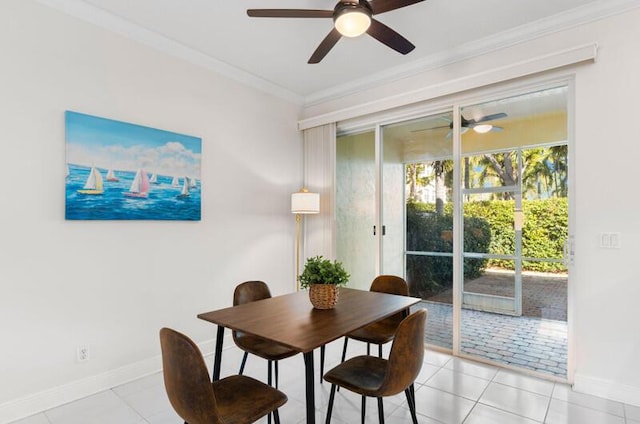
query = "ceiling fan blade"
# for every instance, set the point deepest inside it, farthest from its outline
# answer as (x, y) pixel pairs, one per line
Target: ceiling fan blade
(491, 117)
(381, 6)
(387, 36)
(289, 13)
(327, 44)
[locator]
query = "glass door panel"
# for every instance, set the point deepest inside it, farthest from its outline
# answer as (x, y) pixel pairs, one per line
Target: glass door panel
(515, 213)
(356, 207)
(417, 212)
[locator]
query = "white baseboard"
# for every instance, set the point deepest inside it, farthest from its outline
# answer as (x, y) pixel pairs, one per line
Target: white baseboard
(56, 396)
(607, 389)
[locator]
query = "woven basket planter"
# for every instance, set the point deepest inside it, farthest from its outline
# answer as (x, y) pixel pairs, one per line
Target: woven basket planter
(323, 296)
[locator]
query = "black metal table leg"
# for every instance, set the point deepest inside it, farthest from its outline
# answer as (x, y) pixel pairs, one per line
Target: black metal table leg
(217, 361)
(321, 362)
(311, 400)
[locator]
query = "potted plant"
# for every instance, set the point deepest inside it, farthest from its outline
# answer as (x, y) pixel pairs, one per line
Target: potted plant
(323, 278)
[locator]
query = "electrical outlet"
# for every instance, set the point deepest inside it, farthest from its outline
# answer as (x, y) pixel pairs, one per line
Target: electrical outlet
(609, 241)
(82, 353)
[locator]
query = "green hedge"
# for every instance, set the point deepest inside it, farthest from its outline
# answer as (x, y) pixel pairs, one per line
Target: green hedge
(543, 235)
(428, 232)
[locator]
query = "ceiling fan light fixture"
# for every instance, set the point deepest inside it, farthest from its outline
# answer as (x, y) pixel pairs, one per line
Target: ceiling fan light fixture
(352, 20)
(483, 128)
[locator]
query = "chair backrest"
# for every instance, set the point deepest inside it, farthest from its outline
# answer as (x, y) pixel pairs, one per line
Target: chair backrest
(391, 284)
(250, 291)
(247, 292)
(406, 356)
(186, 379)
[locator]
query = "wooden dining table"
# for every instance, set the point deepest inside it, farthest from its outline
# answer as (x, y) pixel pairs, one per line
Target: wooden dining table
(292, 321)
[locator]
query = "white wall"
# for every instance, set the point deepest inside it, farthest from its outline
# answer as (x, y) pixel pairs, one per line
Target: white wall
(604, 284)
(113, 285)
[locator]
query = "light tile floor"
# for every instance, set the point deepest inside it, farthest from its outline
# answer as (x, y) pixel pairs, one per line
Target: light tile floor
(449, 390)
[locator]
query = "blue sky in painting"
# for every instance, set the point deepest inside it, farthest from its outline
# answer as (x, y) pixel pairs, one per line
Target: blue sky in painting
(105, 143)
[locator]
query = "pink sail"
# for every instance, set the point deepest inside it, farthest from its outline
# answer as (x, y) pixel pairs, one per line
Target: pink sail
(140, 185)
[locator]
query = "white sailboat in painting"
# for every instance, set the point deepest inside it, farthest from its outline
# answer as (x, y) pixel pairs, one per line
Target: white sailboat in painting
(185, 189)
(140, 185)
(111, 176)
(192, 182)
(154, 179)
(94, 184)
(175, 182)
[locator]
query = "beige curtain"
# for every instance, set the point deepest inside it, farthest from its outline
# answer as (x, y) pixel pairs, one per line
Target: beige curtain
(319, 177)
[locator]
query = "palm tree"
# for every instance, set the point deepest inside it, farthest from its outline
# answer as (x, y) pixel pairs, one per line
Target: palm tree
(415, 177)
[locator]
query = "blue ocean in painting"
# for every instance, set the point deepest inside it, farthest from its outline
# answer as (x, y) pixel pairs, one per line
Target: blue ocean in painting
(164, 201)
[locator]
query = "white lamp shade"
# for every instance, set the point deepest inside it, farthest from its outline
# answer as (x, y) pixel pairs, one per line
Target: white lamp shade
(352, 23)
(305, 202)
(483, 128)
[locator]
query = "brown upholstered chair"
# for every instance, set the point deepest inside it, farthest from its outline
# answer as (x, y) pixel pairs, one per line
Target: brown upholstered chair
(232, 400)
(381, 332)
(250, 291)
(371, 376)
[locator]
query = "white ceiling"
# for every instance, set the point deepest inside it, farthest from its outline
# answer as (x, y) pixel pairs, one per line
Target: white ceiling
(273, 53)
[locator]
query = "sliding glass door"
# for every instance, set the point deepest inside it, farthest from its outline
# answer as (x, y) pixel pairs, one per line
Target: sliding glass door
(474, 219)
(514, 196)
(356, 206)
(418, 169)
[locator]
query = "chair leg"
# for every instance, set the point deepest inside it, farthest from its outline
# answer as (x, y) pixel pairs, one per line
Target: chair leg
(276, 366)
(412, 390)
(380, 411)
(330, 407)
(269, 382)
(379, 351)
(276, 417)
(412, 406)
(363, 409)
(344, 349)
(244, 361)
(321, 362)
(368, 348)
(344, 352)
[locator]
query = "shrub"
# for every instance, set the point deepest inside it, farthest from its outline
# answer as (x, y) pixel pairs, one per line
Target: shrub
(427, 231)
(488, 228)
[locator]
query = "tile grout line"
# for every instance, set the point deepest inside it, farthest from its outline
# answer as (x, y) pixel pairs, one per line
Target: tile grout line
(546, 413)
(128, 404)
(480, 397)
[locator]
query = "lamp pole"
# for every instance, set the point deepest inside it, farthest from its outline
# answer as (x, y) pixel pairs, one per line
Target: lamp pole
(302, 202)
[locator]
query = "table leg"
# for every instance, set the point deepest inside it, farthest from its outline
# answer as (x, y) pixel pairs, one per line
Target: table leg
(311, 400)
(217, 361)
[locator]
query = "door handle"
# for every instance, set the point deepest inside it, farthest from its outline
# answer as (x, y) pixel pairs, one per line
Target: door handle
(384, 230)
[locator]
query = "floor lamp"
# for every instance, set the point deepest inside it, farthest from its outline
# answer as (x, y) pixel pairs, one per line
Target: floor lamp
(302, 203)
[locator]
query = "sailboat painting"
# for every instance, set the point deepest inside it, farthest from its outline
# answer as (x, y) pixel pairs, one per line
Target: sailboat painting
(94, 184)
(111, 176)
(140, 185)
(107, 174)
(185, 190)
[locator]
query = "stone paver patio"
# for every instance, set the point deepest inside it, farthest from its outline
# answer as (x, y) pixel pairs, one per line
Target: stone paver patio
(532, 341)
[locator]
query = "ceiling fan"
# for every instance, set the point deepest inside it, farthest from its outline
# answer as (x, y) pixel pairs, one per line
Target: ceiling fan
(480, 125)
(351, 18)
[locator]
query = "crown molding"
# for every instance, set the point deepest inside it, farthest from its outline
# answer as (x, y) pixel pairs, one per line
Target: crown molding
(560, 22)
(111, 22)
(569, 19)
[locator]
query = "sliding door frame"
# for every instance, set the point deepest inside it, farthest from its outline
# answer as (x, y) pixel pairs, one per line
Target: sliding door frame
(454, 104)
